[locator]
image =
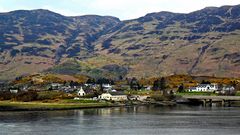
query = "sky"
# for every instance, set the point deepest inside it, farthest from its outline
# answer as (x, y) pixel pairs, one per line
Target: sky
(123, 9)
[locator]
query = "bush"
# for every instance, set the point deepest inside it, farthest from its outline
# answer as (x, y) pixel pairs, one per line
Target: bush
(158, 97)
(51, 95)
(6, 95)
(27, 96)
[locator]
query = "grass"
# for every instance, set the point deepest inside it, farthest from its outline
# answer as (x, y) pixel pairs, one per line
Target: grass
(80, 101)
(238, 93)
(138, 92)
(196, 93)
(46, 95)
(60, 105)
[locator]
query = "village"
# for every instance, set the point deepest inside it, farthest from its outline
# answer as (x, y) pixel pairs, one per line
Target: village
(107, 90)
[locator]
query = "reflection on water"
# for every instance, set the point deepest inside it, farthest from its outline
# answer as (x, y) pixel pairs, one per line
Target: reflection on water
(141, 120)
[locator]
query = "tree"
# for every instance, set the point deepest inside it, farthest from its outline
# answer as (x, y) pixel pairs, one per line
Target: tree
(181, 88)
(27, 96)
(163, 84)
(71, 83)
(156, 85)
(134, 84)
(101, 87)
(120, 77)
(159, 84)
(103, 81)
(205, 82)
(90, 81)
(233, 83)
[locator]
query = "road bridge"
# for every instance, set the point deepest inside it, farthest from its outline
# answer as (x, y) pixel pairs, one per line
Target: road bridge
(224, 100)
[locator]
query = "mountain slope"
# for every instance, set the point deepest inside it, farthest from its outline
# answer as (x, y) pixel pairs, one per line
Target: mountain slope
(205, 42)
(32, 41)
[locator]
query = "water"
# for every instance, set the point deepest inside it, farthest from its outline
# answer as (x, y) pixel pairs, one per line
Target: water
(142, 120)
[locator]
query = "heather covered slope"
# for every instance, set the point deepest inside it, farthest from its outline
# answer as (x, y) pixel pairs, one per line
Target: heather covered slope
(33, 41)
(205, 42)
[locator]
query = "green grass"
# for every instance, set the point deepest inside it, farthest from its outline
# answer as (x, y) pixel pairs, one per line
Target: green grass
(138, 92)
(45, 95)
(80, 101)
(61, 105)
(196, 93)
(238, 93)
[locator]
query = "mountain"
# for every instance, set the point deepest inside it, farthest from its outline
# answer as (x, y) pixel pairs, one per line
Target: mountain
(204, 42)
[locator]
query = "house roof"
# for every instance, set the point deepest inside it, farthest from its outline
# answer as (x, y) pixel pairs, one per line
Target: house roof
(117, 93)
(192, 88)
(228, 87)
(205, 85)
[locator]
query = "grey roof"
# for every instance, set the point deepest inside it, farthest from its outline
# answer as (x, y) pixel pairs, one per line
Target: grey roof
(205, 85)
(117, 93)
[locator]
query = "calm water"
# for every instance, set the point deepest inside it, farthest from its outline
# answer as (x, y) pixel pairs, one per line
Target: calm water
(143, 120)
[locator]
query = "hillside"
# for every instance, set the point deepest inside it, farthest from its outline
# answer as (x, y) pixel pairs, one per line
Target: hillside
(204, 42)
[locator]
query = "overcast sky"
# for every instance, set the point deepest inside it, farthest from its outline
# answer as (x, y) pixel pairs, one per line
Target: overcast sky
(123, 9)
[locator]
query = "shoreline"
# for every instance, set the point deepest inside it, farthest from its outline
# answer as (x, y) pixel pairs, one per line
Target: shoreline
(12, 106)
(55, 106)
(39, 106)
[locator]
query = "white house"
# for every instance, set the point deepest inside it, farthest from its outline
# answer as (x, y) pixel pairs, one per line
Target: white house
(228, 88)
(148, 88)
(204, 88)
(55, 86)
(113, 96)
(107, 87)
(15, 91)
(81, 92)
(105, 96)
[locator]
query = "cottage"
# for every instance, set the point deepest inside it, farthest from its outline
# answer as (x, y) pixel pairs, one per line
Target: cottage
(139, 97)
(148, 88)
(105, 96)
(81, 92)
(107, 87)
(113, 96)
(55, 86)
(204, 88)
(228, 88)
(14, 90)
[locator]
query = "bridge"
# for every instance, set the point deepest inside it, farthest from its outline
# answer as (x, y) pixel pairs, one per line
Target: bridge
(224, 100)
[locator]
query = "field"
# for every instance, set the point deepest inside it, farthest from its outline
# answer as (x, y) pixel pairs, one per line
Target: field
(196, 93)
(57, 105)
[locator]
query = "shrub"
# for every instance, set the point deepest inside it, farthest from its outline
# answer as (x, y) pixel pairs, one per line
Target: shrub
(51, 95)
(158, 97)
(6, 95)
(27, 96)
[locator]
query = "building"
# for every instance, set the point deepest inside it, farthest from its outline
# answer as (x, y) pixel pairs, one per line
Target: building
(107, 87)
(204, 88)
(81, 92)
(113, 96)
(228, 88)
(55, 86)
(105, 96)
(14, 90)
(138, 97)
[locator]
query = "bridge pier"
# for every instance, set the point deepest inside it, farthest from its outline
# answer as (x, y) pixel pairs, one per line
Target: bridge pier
(210, 102)
(229, 103)
(223, 102)
(204, 102)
